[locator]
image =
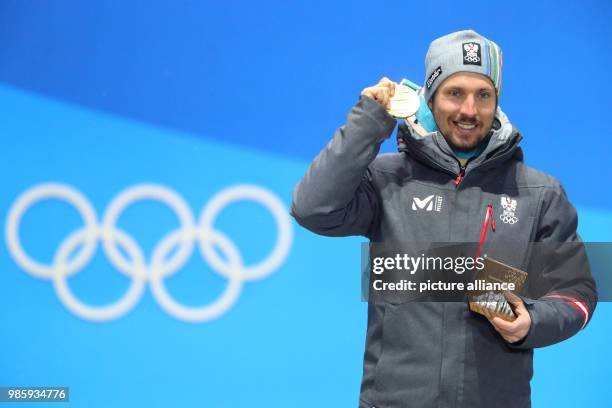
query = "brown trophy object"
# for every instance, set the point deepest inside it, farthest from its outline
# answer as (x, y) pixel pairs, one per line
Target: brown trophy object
(491, 303)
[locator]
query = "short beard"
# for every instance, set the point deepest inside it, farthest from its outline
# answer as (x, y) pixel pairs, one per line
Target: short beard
(485, 139)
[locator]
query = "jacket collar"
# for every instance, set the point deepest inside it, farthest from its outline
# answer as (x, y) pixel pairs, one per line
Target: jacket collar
(433, 150)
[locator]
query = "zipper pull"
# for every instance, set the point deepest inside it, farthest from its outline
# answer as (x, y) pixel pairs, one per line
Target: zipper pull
(490, 216)
(460, 176)
(488, 219)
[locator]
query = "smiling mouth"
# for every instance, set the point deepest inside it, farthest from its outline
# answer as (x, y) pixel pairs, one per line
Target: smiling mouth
(465, 126)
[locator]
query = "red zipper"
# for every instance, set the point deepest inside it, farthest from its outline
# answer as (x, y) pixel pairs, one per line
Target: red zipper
(460, 176)
(485, 227)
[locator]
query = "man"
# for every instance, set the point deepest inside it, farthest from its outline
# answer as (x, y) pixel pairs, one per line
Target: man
(440, 354)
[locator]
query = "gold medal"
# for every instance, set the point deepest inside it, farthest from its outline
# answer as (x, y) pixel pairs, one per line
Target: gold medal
(405, 102)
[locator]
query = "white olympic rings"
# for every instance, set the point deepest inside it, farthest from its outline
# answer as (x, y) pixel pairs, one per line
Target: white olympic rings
(508, 218)
(161, 265)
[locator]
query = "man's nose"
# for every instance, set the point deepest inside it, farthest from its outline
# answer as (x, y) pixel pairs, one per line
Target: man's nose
(468, 107)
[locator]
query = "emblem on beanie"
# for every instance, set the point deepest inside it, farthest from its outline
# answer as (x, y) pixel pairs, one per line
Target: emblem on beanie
(434, 75)
(471, 54)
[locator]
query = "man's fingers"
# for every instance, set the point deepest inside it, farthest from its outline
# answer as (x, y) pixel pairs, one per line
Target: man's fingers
(505, 329)
(501, 324)
(374, 92)
(517, 303)
(512, 331)
(382, 95)
(381, 92)
(387, 83)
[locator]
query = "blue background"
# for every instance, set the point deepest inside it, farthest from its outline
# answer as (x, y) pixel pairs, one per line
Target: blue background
(200, 96)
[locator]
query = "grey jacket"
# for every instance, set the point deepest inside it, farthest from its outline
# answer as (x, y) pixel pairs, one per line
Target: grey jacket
(439, 354)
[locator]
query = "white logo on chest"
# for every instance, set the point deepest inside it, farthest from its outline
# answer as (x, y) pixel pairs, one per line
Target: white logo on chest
(429, 203)
(509, 207)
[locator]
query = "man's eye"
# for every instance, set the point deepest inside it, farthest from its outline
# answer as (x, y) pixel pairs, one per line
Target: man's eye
(485, 95)
(454, 92)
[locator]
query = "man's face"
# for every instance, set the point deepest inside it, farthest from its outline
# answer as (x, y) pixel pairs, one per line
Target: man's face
(464, 108)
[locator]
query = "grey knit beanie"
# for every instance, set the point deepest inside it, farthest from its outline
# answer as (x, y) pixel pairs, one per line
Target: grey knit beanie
(463, 51)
